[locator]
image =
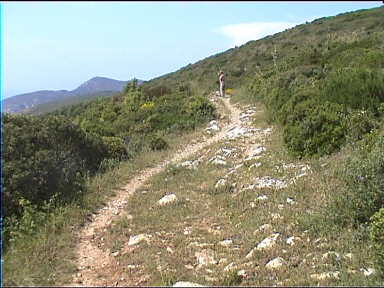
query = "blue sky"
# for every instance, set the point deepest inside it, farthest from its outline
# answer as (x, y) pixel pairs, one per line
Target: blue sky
(59, 45)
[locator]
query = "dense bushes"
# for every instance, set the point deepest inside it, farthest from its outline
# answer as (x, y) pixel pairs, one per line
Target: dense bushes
(355, 88)
(363, 176)
(314, 129)
(46, 157)
(377, 237)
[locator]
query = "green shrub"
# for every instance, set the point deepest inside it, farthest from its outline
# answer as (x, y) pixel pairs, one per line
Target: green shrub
(355, 87)
(116, 148)
(377, 237)
(44, 157)
(359, 123)
(158, 143)
(314, 129)
(364, 183)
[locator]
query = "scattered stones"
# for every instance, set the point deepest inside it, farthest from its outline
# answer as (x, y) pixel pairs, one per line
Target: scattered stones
(276, 263)
(280, 206)
(131, 266)
(255, 151)
(326, 275)
(186, 284)
(218, 160)
(167, 199)
(205, 257)
(268, 182)
(187, 230)
(190, 164)
(133, 240)
(255, 165)
(238, 131)
(268, 242)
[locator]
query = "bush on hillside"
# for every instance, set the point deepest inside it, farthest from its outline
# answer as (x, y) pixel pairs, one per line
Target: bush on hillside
(354, 87)
(377, 238)
(46, 157)
(314, 129)
(363, 176)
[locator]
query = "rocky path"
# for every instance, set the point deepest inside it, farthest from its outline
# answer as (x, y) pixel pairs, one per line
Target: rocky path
(90, 258)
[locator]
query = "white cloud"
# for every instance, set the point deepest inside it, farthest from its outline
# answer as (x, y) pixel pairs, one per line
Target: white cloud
(244, 32)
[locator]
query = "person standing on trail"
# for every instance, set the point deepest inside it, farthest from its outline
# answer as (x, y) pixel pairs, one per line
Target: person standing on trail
(222, 84)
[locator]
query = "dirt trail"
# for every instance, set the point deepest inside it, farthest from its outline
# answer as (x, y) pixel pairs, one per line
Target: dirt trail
(90, 258)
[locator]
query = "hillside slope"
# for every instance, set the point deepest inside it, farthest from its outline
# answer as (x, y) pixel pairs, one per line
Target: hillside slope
(241, 63)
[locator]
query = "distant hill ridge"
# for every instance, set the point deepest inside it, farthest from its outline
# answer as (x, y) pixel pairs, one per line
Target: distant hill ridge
(93, 87)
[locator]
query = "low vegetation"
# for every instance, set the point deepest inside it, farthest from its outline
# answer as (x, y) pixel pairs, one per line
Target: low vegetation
(324, 99)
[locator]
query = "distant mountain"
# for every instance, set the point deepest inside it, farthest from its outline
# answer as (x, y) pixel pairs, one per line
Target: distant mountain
(91, 88)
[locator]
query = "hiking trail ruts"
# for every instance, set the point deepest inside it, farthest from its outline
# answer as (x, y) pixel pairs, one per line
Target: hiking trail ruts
(90, 258)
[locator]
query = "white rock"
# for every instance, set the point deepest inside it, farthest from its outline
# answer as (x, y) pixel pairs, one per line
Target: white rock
(133, 240)
(291, 240)
(262, 197)
(186, 284)
(169, 249)
(368, 271)
(190, 164)
(250, 254)
(257, 150)
(255, 165)
(187, 230)
(230, 267)
(266, 182)
(218, 161)
(349, 256)
(226, 242)
(205, 257)
(220, 183)
(280, 206)
(276, 263)
(167, 199)
(290, 201)
(268, 242)
(242, 273)
(326, 275)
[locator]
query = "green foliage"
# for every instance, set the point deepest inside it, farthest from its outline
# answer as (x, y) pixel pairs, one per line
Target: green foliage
(46, 157)
(115, 148)
(377, 237)
(314, 129)
(231, 279)
(158, 143)
(363, 176)
(355, 88)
